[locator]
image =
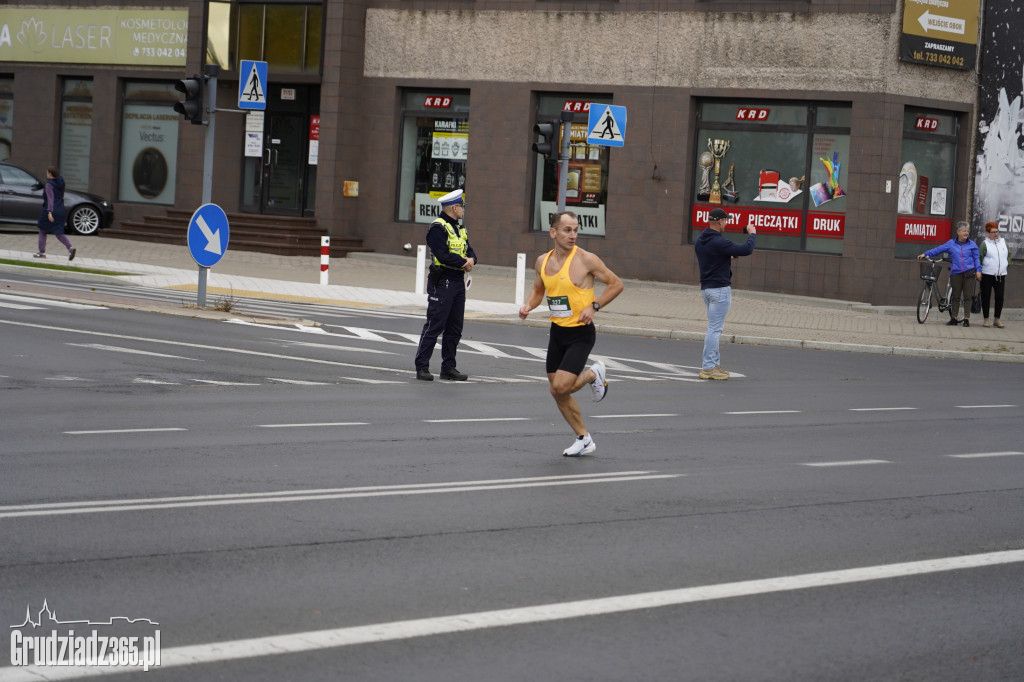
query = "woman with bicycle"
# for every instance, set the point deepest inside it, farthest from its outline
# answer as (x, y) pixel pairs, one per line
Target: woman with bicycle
(964, 270)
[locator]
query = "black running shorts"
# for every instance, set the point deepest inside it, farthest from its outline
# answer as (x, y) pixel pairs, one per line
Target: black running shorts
(569, 348)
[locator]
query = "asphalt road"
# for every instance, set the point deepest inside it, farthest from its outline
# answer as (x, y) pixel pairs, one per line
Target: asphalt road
(257, 490)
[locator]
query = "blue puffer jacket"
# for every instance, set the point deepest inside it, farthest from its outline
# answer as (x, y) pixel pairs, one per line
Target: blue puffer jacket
(964, 256)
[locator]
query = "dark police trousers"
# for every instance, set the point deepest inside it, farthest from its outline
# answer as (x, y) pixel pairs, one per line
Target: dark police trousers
(446, 308)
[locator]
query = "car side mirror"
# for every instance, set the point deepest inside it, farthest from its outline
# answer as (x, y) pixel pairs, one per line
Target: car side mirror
(38, 185)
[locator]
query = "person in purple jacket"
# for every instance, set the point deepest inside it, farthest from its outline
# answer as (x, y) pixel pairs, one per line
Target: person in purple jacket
(964, 270)
(54, 217)
(714, 256)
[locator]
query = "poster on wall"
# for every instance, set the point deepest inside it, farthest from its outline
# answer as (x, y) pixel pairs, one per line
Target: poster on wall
(75, 144)
(149, 148)
(942, 33)
(6, 125)
(999, 178)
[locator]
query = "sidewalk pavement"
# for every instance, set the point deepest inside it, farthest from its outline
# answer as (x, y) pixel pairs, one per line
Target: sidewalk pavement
(644, 308)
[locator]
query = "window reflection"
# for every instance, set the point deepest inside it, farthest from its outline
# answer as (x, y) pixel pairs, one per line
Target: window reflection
(238, 30)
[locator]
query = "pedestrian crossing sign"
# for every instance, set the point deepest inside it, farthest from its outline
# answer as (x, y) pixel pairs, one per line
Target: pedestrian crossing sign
(252, 85)
(607, 125)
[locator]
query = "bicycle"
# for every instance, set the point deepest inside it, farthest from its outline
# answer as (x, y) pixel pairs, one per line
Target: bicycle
(931, 270)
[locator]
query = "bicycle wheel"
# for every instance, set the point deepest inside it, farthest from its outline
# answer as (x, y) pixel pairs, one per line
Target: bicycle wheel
(924, 302)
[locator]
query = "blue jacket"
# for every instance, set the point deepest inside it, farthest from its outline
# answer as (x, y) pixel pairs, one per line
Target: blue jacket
(714, 256)
(964, 256)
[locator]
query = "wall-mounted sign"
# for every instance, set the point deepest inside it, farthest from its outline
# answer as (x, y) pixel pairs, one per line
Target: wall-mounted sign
(576, 105)
(940, 32)
(437, 102)
(752, 114)
(138, 36)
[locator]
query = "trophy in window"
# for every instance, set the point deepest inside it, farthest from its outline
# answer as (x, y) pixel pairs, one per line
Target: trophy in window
(718, 148)
(705, 161)
(729, 192)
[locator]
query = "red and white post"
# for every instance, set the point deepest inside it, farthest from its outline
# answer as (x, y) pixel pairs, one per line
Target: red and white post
(325, 259)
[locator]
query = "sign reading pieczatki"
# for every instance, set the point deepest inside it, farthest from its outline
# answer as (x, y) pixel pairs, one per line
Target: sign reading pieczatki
(940, 32)
(130, 35)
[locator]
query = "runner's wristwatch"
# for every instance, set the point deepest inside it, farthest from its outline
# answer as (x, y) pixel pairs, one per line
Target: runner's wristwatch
(597, 306)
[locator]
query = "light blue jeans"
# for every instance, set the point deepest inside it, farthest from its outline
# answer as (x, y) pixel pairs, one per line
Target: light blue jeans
(717, 301)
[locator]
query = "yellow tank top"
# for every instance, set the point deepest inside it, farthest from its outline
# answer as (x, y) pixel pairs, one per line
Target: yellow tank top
(565, 299)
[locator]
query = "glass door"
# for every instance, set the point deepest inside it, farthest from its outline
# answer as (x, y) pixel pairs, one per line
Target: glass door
(284, 163)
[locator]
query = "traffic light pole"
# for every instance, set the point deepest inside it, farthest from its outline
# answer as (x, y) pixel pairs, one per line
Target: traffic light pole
(563, 158)
(210, 102)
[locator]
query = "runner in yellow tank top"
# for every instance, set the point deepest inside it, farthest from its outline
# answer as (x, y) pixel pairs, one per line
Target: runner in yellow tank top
(566, 276)
(565, 300)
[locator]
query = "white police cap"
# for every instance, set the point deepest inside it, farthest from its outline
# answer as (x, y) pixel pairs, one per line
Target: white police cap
(451, 198)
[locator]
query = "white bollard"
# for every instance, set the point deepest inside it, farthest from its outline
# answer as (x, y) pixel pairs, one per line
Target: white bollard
(520, 279)
(325, 259)
(421, 270)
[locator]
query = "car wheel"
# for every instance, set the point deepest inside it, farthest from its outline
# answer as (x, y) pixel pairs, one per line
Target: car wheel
(85, 220)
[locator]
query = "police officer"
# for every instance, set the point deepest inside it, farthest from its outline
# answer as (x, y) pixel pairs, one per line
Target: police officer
(446, 288)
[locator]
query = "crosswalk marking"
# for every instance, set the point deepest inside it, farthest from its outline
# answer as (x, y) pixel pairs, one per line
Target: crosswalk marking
(849, 463)
(986, 454)
(32, 303)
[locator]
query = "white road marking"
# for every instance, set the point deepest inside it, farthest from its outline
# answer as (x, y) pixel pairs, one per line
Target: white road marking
(314, 640)
(16, 306)
(848, 463)
(879, 409)
(766, 412)
(974, 455)
(214, 382)
(87, 507)
(372, 381)
(487, 419)
(119, 349)
(629, 416)
(100, 431)
(299, 382)
(331, 346)
(45, 302)
(978, 407)
(139, 380)
(289, 426)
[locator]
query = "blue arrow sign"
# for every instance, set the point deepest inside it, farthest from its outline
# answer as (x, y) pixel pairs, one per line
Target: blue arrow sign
(607, 125)
(252, 85)
(208, 235)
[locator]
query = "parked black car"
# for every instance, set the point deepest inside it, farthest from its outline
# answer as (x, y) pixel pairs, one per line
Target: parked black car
(21, 200)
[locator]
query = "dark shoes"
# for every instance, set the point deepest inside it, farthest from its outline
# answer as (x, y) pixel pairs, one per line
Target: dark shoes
(967, 323)
(952, 323)
(453, 375)
(424, 375)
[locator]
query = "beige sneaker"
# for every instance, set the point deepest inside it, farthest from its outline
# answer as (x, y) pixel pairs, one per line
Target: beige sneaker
(714, 373)
(986, 323)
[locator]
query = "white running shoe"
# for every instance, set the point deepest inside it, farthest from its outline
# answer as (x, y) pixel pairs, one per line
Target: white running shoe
(600, 384)
(583, 445)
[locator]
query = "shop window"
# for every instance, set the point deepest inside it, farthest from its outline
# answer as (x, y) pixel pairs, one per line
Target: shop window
(149, 143)
(587, 179)
(924, 199)
(781, 166)
(76, 132)
(434, 148)
(287, 35)
(6, 117)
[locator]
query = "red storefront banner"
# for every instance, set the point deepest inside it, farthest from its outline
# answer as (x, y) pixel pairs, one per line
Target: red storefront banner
(766, 221)
(923, 230)
(826, 225)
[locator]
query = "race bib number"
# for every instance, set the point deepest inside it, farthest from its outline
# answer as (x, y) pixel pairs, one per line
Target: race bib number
(559, 306)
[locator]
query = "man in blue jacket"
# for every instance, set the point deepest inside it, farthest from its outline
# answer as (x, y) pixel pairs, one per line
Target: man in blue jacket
(714, 256)
(964, 269)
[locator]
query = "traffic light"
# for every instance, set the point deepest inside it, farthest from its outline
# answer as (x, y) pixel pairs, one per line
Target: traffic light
(192, 106)
(548, 146)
